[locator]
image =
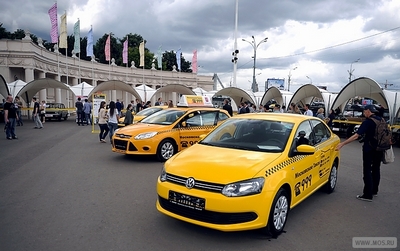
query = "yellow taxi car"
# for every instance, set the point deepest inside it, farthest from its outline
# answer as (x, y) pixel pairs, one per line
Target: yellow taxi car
(249, 172)
(169, 131)
(142, 114)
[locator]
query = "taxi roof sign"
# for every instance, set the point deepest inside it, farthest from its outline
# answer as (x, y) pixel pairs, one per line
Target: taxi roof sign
(194, 101)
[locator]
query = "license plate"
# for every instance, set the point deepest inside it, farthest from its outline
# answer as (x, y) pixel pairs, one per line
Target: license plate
(335, 129)
(187, 201)
(48, 115)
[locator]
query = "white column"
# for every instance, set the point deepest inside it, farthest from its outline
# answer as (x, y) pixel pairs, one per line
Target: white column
(113, 95)
(43, 92)
(29, 76)
(57, 92)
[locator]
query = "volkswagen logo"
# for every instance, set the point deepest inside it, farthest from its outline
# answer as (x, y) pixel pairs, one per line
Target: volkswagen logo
(190, 183)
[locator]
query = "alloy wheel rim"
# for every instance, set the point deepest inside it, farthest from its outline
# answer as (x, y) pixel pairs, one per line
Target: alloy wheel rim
(280, 212)
(333, 177)
(167, 150)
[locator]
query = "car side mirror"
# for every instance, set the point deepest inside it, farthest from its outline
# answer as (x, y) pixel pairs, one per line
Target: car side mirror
(305, 150)
(201, 137)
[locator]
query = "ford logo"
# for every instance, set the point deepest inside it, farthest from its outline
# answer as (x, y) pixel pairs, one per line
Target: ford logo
(190, 183)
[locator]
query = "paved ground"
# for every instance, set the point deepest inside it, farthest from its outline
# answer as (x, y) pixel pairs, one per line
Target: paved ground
(60, 189)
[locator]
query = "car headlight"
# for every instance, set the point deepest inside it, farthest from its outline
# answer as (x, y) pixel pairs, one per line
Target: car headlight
(146, 135)
(243, 188)
(163, 175)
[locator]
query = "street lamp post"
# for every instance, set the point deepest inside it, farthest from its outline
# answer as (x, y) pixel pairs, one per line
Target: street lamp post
(351, 69)
(309, 79)
(289, 76)
(254, 86)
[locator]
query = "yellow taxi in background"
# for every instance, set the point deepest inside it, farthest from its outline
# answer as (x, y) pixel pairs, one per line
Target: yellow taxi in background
(142, 114)
(169, 131)
(249, 172)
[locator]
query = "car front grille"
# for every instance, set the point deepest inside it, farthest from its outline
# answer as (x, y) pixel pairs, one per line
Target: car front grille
(206, 215)
(120, 144)
(206, 186)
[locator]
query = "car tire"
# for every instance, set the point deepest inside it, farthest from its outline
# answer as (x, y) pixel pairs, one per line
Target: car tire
(331, 184)
(166, 149)
(66, 117)
(278, 213)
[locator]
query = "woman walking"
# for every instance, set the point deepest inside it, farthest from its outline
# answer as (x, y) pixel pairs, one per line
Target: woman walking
(113, 117)
(103, 122)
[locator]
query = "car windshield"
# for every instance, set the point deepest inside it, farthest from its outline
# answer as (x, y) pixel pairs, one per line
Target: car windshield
(251, 134)
(53, 105)
(149, 111)
(164, 117)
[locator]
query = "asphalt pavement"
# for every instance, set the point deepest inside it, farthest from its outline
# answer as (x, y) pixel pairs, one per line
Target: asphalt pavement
(61, 189)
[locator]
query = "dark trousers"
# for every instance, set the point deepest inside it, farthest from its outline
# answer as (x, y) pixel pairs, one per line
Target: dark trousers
(371, 172)
(80, 115)
(103, 131)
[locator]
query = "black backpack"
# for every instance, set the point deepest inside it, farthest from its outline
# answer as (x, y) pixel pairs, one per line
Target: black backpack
(382, 135)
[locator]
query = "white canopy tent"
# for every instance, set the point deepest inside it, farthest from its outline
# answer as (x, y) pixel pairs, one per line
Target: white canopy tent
(83, 89)
(145, 92)
(15, 87)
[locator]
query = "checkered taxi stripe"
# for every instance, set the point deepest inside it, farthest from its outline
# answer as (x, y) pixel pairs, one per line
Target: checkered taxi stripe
(284, 164)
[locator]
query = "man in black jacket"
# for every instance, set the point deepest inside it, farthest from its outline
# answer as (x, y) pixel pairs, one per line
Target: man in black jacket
(227, 107)
(371, 157)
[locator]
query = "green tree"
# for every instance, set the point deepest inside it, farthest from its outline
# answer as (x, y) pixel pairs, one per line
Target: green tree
(169, 59)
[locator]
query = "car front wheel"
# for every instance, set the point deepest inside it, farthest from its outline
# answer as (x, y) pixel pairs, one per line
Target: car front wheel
(165, 150)
(278, 213)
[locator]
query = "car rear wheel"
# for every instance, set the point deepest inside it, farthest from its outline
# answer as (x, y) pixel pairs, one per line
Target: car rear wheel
(165, 150)
(66, 117)
(330, 186)
(278, 213)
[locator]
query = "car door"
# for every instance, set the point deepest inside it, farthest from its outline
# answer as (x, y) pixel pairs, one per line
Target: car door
(321, 137)
(304, 167)
(195, 124)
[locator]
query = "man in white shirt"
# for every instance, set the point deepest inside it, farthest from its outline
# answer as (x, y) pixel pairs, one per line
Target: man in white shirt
(308, 112)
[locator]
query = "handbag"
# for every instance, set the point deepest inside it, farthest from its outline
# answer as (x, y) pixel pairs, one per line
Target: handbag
(388, 156)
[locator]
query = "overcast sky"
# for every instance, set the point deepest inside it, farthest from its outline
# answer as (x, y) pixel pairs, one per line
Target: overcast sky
(321, 38)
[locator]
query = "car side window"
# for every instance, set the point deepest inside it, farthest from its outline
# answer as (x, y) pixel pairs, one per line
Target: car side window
(320, 132)
(222, 116)
(302, 135)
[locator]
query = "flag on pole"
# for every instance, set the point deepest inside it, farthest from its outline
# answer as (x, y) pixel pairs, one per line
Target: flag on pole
(89, 46)
(63, 32)
(194, 61)
(54, 24)
(159, 59)
(125, 52)
(141, 51)
(107, 49)
(77, 36)
(178, 58)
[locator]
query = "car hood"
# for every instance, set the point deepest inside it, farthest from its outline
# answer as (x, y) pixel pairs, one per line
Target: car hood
(219, 165)
(137, 128)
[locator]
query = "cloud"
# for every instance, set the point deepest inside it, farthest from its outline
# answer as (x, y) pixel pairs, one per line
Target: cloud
(321, 38)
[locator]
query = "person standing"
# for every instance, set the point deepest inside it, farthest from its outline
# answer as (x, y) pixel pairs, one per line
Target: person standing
(103, 122)
(79, 111)
(128, 116)
(87, 109)
(331, 117)
(308, 112)
(10, 117)
(36, 114)
(139, 106)
(113, 117)
(320, 113)
(170, 104)
(43, 111)
(227, 107)
(370, 156)
(118, 106)
(159, 102)
(18, 105)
